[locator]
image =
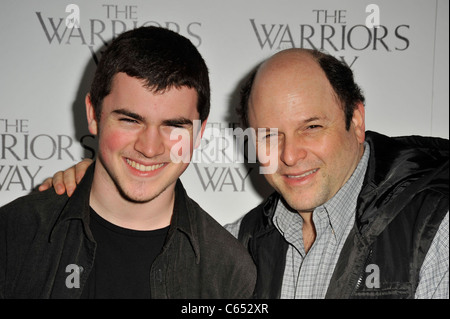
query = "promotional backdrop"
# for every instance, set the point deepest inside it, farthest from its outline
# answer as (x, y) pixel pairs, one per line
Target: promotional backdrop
(399, 51)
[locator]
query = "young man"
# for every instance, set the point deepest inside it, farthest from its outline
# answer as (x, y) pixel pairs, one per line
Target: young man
(129, 230)
(355, 214)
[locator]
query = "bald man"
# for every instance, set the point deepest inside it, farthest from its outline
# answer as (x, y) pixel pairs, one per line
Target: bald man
(354, 214)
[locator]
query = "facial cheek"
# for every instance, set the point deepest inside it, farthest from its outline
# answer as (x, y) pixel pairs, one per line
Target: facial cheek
(268, 157)
(337, 158)
(180, 152)
(271, 179)
(111, 141)
(269, 163)
(180, 147)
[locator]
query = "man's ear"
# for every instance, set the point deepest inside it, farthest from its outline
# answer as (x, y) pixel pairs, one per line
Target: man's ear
(359, 122)
(90, 114)
(198, 136)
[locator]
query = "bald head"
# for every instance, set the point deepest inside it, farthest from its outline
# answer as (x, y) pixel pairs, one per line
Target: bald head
(296, 103)
(303, 69)
(289, 78)
(289, 63)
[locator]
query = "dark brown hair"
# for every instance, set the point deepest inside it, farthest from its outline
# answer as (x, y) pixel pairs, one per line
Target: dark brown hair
(160, 57)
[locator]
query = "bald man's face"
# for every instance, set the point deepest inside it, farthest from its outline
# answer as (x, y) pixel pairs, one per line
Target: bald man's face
(316, 154)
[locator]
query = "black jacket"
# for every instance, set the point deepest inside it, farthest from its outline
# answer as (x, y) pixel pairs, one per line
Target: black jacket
(42, 233)
(403, 200)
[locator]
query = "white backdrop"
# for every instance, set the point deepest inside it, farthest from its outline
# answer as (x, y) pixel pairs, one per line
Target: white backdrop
(46, 69)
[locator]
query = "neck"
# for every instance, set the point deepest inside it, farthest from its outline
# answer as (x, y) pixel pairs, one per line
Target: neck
(308, 230)
(107, 202)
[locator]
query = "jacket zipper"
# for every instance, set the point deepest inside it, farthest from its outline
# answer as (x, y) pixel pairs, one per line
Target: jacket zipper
(363, 272)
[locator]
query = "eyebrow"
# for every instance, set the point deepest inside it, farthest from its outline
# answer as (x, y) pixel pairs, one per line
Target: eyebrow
(305, 121)
(311, 119)
(177, 121)
(169, 122)
(129, 114)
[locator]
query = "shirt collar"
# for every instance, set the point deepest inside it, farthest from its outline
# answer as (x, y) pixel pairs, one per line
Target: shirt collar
(183, 219)
(77, 206)
(341, 208)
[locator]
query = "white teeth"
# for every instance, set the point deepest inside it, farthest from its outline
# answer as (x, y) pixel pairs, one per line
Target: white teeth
(143, 168)
(303, 175)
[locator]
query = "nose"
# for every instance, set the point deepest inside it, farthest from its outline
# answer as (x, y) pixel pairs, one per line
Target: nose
(292, 151)
(150, 143)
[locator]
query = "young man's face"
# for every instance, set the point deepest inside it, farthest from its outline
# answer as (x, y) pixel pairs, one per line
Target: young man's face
(135, 142)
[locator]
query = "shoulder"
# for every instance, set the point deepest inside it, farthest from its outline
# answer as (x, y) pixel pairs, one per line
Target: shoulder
(36, 200)
(410, 153)
(213, 240)
(33, 210)
(259, 219)
(224, 258)
(209, 230)
(216, 240)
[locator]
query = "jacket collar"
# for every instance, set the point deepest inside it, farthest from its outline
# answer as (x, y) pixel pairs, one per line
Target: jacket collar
(394, 164)
(183, 219)
(77, 206)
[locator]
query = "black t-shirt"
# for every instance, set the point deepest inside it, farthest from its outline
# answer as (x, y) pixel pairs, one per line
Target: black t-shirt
(123, 259)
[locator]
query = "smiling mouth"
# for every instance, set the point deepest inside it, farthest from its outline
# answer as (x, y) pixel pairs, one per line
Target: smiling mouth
(304, 174)
(144, 168)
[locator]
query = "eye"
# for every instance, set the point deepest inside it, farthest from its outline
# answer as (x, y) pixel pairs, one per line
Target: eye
(128, 120)
(311, 127)
(268, 136)
(177, 126)
(178, 123)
